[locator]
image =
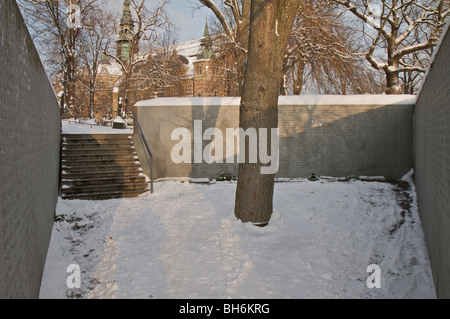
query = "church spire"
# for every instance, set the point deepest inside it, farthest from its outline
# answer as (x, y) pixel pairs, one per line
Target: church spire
(206, 45)
(127, 19)
(126, 32)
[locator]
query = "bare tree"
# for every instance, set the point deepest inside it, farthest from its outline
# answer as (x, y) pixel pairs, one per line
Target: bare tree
(397, 32)
(57, 37)
(141, 23)
(160, 75)
(257, 33)
(321, 49)
(234, 18)
(321, 53)
(270, 27)
(94, 40)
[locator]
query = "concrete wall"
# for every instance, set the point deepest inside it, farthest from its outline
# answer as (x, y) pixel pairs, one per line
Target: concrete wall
(368, 135)
(29, 158)
(432, 164)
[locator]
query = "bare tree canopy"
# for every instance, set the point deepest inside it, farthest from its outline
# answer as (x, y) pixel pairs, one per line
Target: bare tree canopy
(398, 33)
(74, 37)
(143, 24)
(322, 55)
(56, 28)
(321, 51)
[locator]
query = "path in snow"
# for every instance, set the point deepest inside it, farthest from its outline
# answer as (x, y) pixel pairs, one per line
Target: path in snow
(183, 241)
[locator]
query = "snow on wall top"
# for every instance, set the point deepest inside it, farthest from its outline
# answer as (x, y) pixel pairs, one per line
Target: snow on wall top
(368, 99)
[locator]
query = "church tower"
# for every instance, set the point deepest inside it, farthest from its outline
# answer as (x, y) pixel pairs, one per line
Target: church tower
(205, 45)
(124, 43)
(204, 75)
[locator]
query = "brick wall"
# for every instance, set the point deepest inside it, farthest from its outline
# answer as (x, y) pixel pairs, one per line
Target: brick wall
(29, 158)
(432, 165)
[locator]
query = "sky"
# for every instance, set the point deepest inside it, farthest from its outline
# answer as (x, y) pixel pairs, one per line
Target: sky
(190, 23)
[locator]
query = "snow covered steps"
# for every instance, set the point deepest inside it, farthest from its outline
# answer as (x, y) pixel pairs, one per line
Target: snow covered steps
(100, 166)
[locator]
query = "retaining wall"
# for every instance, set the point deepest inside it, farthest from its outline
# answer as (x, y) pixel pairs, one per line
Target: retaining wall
(29, 158)
(369, 135)
(432, 164)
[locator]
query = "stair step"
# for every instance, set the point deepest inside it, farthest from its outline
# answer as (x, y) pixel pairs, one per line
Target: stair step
(95, 145)
(100, 174)
(104, 195)
(99, 156)
(99, 162)
(96, 136)
(104, 168)
(98, 150)
(100, 166)
(104, 188)
(103, 181)
(100, 141)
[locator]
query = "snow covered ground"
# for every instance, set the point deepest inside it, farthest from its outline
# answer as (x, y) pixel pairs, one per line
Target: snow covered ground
(71, 127)
(183, 241)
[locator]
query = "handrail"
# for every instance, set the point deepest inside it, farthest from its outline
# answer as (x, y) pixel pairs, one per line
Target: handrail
(82, 123)
(147, 147)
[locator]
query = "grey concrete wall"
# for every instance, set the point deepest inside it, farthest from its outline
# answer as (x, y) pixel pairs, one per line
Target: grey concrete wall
(368, 135)
(29, 158)
(432, 165)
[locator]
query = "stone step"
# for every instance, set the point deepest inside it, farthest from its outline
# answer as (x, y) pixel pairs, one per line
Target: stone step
(100, 166)
(97, 136)
(86, 189)
(96, 141)
(103, 181)
(103, 195)
(99, 156)
(100, 174)
(98, 150)
(99, 162)
(96, 145)
(104, 168)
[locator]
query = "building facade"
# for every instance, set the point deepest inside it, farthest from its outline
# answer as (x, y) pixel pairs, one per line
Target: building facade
(195, 70)
(207, 75)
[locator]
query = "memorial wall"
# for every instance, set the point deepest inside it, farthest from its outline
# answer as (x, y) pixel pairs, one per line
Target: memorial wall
(360, 135)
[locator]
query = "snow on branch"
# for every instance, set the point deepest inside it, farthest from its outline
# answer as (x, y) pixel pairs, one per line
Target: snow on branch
(220, 16)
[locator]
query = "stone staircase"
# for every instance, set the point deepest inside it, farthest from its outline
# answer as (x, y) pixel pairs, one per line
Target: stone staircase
(100, 166)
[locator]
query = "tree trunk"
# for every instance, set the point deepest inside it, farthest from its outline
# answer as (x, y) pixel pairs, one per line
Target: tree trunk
(126, 89)
(242, 32)
(392, 83)
(91, 98)
(70, 83)
(297, 80)
(270, 25)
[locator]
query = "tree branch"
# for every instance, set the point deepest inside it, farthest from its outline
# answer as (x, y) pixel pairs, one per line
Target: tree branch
(220, 16)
